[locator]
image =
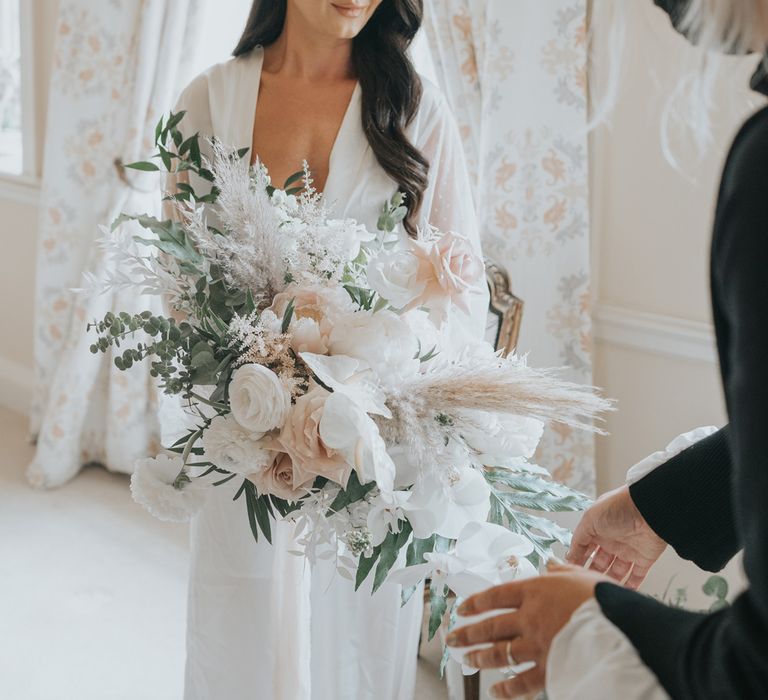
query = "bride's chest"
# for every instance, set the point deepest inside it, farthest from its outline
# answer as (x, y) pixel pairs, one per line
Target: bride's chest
(294, 123)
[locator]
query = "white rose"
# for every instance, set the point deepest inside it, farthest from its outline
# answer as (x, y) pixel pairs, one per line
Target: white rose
(258, 400)
(394, 276)
(383, 340)
(227, 445)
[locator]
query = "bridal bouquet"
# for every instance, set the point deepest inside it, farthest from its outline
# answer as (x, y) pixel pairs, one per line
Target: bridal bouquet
(315, 359)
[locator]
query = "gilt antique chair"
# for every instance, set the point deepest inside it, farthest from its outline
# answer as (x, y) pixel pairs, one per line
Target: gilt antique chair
(505, 313)
(505, 310)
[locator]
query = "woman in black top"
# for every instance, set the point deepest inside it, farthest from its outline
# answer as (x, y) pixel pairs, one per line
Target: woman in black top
(709, 501)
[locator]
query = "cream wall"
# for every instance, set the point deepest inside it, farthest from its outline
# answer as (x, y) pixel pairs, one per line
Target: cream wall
(651, 232)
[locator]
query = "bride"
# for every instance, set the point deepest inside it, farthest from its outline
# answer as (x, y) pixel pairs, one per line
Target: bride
(329, 82)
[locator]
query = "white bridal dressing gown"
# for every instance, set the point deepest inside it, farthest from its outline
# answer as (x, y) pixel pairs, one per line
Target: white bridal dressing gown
(250, 604)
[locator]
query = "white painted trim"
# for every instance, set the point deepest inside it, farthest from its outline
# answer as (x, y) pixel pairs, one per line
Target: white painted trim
(654, 333)
(16, 384)
(20, 188)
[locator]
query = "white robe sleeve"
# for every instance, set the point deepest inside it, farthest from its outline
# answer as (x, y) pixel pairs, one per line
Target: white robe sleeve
(591, 658)
(448, 203)
(680, 443)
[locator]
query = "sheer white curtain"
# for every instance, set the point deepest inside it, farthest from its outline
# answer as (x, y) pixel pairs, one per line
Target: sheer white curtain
(117, 67)
(515, 73)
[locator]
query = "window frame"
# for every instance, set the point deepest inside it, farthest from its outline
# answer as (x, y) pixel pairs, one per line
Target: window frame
(24, 185)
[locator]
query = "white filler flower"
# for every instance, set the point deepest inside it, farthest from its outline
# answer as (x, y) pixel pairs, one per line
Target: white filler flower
(258, 399)
(155, 486)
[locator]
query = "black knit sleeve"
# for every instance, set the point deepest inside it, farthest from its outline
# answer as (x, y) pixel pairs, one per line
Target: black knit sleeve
(688, 502)
(674, 8)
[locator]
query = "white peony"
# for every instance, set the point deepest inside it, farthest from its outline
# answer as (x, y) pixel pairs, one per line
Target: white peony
(155, 484)
(258, 399)
(431, 338)
(227, 445)
(498, 439)
(383, 340)
(393, 275)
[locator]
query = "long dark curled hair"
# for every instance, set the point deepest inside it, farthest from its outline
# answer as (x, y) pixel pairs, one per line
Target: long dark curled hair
(391, 88)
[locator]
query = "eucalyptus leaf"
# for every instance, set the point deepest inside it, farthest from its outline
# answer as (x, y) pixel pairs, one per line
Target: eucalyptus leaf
(716, 586)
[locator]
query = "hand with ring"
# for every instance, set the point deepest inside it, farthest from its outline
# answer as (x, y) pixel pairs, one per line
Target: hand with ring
(541, 607)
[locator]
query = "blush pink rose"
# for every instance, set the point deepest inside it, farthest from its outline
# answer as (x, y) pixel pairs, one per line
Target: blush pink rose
(300, 438)
(278, 479)
(313, 313)
(449, 269)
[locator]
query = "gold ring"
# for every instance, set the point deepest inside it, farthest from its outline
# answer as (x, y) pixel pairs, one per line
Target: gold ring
(510, 659)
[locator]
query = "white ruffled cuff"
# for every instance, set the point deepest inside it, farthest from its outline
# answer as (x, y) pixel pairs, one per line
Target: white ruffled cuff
(680, 443)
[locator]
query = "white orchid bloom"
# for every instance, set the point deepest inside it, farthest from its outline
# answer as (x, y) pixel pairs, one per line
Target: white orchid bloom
(385, 515)
(351, 377)
(484, 555)
(407, 468)
(491, 555)
(446, 509)
(348, 429)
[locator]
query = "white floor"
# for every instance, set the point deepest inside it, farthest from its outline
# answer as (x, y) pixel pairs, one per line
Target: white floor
(92, 590)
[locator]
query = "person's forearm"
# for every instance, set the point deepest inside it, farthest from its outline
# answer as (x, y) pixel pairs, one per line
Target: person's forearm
(688, 502)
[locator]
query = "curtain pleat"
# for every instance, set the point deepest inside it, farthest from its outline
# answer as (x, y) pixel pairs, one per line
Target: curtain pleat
(117, 67)
(514, 73)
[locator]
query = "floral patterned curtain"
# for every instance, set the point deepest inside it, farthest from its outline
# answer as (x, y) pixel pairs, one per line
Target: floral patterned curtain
(515, 75)
(117, 68)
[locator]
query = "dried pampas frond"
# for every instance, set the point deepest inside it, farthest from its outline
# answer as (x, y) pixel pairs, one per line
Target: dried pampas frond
(251, 252)
(500, 386)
